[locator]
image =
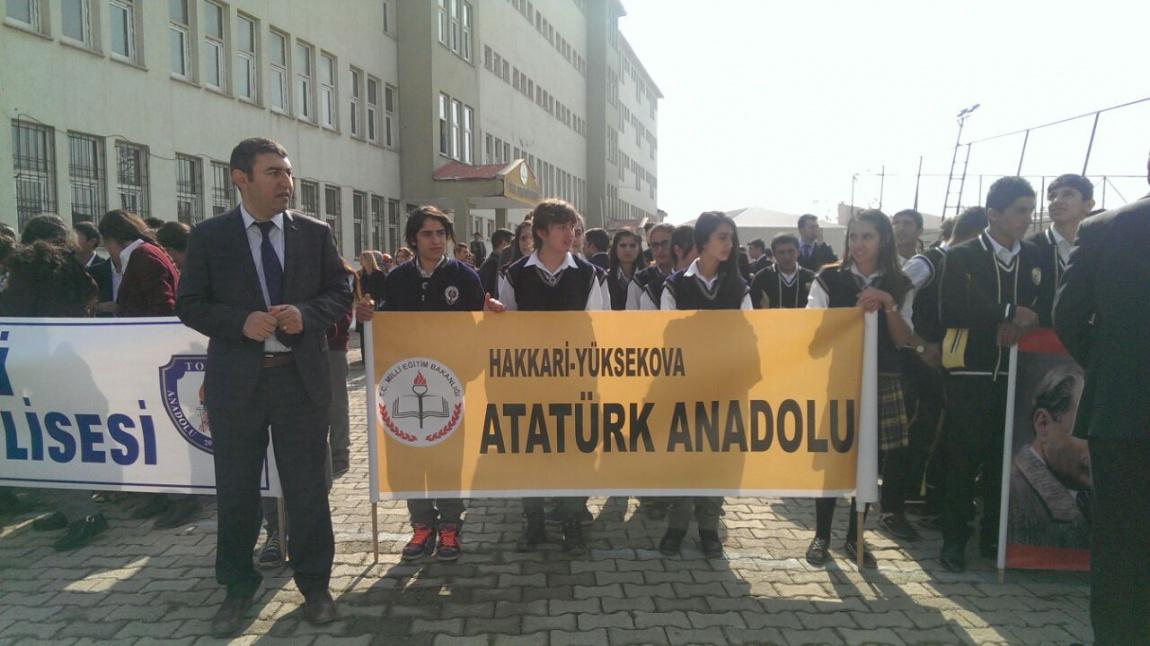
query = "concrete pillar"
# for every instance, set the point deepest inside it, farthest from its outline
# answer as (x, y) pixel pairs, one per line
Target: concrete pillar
(462, 222)
(500, 218)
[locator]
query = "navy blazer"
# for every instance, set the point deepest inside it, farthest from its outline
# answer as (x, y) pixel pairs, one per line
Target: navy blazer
(219, 288)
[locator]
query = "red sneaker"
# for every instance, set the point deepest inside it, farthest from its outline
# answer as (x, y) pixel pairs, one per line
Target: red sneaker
(449, 548)
(422, 542)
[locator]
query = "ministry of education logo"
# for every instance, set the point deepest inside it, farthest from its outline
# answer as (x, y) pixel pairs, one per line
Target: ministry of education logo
(182, 391)
(420, 402)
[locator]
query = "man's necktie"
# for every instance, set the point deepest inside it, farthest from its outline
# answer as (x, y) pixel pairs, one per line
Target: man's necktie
(273, 270)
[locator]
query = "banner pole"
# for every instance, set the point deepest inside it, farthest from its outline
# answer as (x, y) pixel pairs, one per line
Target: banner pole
(375, 533)
(281, 521)
(861, 518)
(1007, 450)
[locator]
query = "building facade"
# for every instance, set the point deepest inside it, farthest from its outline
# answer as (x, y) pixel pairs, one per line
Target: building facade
(381, 105)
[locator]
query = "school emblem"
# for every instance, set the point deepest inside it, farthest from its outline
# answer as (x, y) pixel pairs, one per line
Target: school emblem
(1036, 275)
(182, 391)
(419, 402)
(451, 294)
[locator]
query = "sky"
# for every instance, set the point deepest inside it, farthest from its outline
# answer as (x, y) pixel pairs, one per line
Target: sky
(780, 104)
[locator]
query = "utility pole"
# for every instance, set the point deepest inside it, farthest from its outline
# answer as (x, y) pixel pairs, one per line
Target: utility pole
(962, 115)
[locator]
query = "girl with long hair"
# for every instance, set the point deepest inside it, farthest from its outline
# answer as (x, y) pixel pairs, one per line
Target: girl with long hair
(622, 263)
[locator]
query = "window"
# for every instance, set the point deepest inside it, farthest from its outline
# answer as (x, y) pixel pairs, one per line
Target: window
(331, 208)
(76, 21)
(377, 223)
(213, 46)
(372, 109)
(223, 197)
(488, 142)
(444, 132)
(465, 45)
(456, 109)
(86, 174)
(487, 56)
(441, 13)
(468, 119)
(327, 92)
(132, 177)
(354, 119)
(179, 32)
(453, 15)
(34, 160)
(189, 190)
(309, 198)
(393, 224)
(303, 80)
(358, 206)
(122, 28)
(389, 121)
(386, 17)
(246, 78)
(25, 12)
(277, 56)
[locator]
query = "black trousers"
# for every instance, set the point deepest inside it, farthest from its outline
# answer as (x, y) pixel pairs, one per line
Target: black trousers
(973, 434)
(299, 438)
(570, 508)
(1120, 541)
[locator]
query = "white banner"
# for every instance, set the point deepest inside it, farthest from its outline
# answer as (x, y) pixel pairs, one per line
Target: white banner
(107, 404)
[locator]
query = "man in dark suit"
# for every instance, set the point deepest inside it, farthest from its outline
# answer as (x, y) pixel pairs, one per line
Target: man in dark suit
(87, 241)
(813, 253)
(596, 242)
(264, 284)
(1101, 316)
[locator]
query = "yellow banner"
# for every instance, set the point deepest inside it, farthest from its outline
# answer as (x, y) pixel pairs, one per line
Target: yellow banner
(612, 403)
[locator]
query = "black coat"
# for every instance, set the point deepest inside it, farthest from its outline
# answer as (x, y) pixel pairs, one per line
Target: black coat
(822, 254)
(1102, 315)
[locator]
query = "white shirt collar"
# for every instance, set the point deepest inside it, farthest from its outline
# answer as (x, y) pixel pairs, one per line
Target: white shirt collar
(693, 271)
(789, 278)
(277, 219)
(867, 280)
(419, 265)
(568, 263)
(1004, 254)
(126, 253)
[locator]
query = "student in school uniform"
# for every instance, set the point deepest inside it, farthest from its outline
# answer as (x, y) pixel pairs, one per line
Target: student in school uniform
(988, 294)
(758, 257)
(433, 281)
(552, 279)
(711, 282)
(926, 457)
(683, 253)
(662, 263)
(870, 278)
(784, 284)
(622, 265)
(1071, 199)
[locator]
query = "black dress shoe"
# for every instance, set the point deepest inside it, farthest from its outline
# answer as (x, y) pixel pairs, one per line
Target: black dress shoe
(672, 541)
(851, 549)
(817, 551)
(230, 616)
(953, 558)
(54, 520)
(319, 609)
(81, 532)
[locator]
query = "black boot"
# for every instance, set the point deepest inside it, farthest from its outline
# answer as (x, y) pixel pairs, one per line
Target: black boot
(573, 542)
(710, 544)
(534, 532)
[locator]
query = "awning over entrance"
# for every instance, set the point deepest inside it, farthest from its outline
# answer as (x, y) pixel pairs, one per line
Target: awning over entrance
(492, 186)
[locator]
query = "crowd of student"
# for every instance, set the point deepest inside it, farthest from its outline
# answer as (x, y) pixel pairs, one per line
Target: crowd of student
(948, 312)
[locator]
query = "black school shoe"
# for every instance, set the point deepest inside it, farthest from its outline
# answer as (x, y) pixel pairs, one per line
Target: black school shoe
(851, 549)
(52, 521)
(534, 533)
(953, 557)
(672, 541)
(573, 541)
(81, 532)
(817, 551)
(229, 616)
(710, 544)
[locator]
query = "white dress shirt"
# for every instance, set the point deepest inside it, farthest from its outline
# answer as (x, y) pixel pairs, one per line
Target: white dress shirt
(255, 241)
(118, 275)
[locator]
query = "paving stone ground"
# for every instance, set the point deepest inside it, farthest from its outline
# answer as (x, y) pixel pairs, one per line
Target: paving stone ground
(136, 585)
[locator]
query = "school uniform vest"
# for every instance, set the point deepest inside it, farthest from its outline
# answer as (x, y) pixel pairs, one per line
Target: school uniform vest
(617, 286)
(690, 294)
(770, 290)
(453, 286)
(843, 287)
(534, 292)
(1052, 267)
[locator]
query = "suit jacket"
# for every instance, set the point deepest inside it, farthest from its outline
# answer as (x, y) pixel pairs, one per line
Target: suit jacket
(148, 287)
(1101, 316)
(220, 288)
(101, 272)
(1052, 270)
(822, 254)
